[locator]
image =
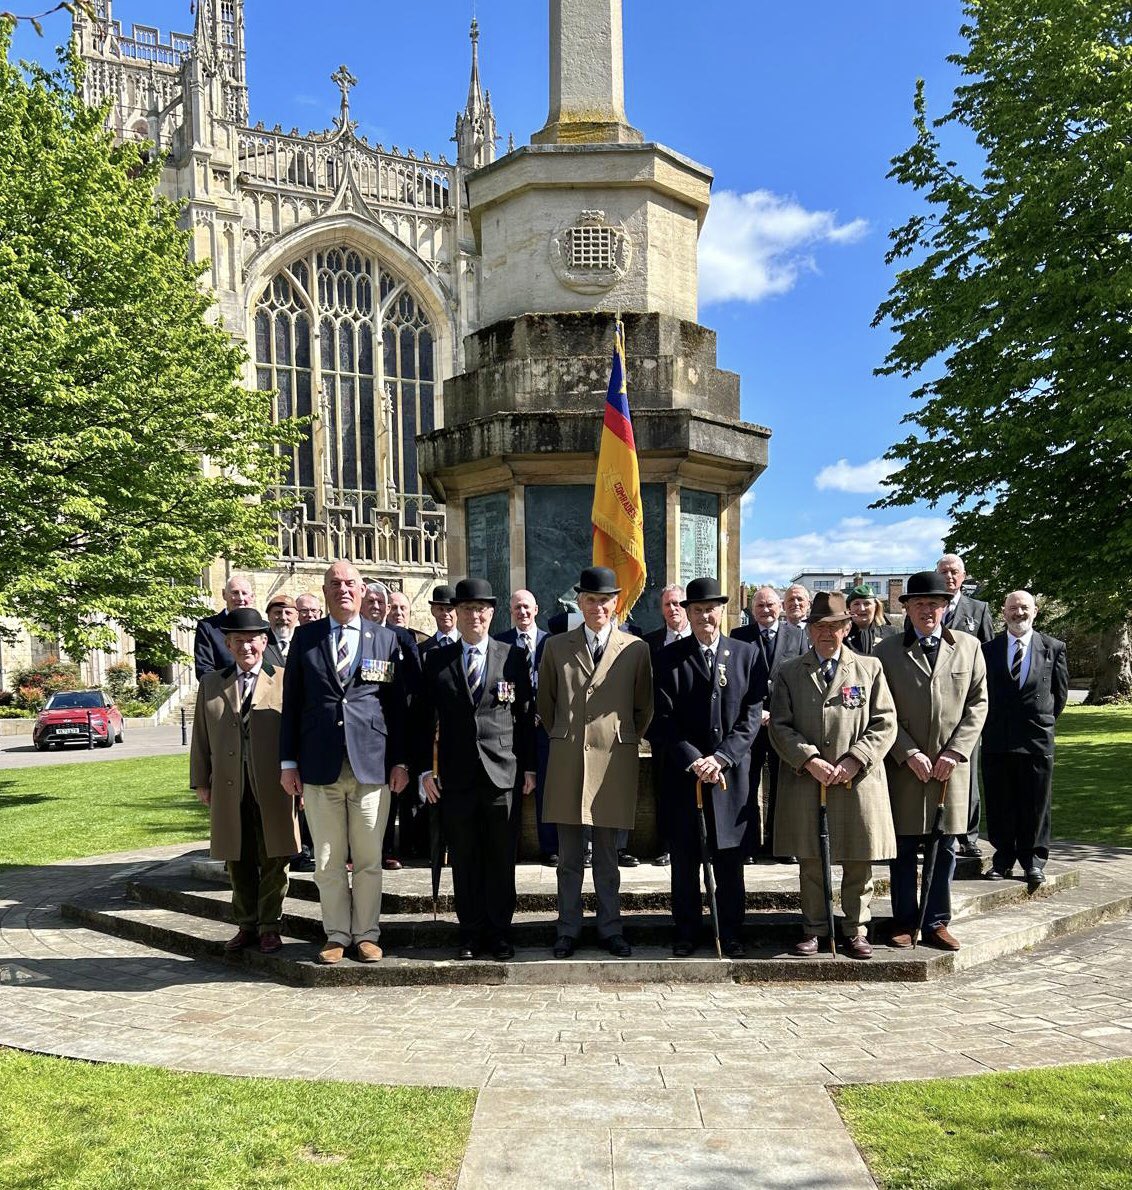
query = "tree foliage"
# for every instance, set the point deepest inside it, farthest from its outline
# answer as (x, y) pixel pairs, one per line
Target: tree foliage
(1012, 307)
(130, 456)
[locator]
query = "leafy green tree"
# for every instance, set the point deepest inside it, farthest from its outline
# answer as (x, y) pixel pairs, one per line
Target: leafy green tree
(130, 455)
(1012, 309)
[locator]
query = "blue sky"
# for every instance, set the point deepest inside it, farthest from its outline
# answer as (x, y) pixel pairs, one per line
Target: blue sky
(798, 109)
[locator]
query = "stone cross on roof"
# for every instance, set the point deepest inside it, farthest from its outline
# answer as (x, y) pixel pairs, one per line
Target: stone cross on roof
(345, 81)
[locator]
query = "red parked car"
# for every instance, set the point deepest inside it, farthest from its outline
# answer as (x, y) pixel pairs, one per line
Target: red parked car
(73, 716)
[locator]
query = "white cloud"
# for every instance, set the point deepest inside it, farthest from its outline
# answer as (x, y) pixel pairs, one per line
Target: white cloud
(756, 245)
(862, 478)
(855, 542)
(747, 503)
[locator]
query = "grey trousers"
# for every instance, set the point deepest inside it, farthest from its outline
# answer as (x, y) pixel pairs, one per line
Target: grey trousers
(607, 881)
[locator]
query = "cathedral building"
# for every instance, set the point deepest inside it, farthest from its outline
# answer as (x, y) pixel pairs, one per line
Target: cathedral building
(348, 269)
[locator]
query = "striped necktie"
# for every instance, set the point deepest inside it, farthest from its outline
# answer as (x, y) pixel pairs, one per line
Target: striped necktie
(343, 657)
(828, 666)
(474, 662)
(247, 685)
(1016, 663)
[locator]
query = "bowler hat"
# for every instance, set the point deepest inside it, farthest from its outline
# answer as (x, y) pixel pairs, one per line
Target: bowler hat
(861, 592)
(828, 607)
(244, 619)
(926, 582)
(444, 595)
(597, 580)
(280, 600)
(703, 590)
(473, 590)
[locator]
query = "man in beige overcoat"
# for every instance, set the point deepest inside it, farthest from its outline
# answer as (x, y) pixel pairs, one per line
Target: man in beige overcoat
(938, 680)
(595, 701)
(832, 722)
(234, 768)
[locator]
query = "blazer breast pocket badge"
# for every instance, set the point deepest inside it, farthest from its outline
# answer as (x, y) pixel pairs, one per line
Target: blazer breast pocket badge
(505, 692)
(373, 670)
(852, 697)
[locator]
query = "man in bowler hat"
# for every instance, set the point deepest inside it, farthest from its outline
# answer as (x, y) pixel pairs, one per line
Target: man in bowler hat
(595, 699)
(479, 693)
(709, 694)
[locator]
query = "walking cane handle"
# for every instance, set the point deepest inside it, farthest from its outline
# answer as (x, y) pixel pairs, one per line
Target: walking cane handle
(699, 794)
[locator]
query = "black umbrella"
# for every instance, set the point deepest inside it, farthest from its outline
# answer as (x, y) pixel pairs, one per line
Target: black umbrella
(705, 855)
(826, 867)
(435, 837)
(930, 854)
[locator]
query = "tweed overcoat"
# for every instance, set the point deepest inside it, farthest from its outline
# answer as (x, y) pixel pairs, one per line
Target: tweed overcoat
(807, 720)
(596, 720)
(216, 759)
(936, 710)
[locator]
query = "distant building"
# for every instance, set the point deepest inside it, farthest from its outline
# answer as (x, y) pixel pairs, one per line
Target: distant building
(886, 585)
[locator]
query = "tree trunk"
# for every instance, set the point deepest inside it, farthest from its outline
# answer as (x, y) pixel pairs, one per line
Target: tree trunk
(1113, 679)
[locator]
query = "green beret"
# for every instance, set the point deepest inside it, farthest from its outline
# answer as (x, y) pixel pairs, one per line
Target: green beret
(861, 592)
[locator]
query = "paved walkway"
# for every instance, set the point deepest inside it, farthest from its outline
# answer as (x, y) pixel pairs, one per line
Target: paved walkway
(18, 752)
(625, 1087)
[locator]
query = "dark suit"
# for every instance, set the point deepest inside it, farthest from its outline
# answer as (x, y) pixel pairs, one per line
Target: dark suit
(864, 640)
(482, 751)
(789, 641)
(403, 808)
(1018, 749)
(973, 617)
(211, 653)
(547, 831)
(697, 716)
(657, 641)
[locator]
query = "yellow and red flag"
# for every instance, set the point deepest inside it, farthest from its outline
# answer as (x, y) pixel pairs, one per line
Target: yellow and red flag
(619, 528)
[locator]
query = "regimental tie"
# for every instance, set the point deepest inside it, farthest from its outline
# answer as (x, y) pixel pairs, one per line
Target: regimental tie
(599, 649)
(1016, 663)
(343, 661)
(474, 662)
(709, 658)
(247, 685)
(529, 646)
(828, 668)
(931, 649)
(767, 644)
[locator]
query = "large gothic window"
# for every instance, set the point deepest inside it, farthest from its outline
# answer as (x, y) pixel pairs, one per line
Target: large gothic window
(341, 339)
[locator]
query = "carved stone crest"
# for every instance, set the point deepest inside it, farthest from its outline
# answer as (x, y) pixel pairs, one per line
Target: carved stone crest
(591, 255)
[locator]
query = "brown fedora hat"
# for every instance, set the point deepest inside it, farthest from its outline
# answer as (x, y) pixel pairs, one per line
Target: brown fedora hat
(828, 607)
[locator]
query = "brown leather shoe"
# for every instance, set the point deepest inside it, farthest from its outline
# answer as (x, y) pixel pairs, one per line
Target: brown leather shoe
(367, 952)
(241, 939)
(941, 938)
(270, 942)
(901, 937)
(806, 948)
(857, 947)
(331, 953)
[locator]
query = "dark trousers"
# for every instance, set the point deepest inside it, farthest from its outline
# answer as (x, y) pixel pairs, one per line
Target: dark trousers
(758, 838)
(971, 839)
(475, 820)
(687, 897)
(259, 880)
(905, 889)
(547, 831)
(1017, 789)
(606, 874)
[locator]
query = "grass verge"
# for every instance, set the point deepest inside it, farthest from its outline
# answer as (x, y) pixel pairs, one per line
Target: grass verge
(1090, 777)
(76, 1125)
(1043, 1129)
(63, 811)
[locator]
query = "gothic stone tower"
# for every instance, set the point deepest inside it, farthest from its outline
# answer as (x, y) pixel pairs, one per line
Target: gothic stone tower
(348, 269)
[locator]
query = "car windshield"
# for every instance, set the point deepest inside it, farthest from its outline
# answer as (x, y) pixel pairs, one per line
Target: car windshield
(74, 698)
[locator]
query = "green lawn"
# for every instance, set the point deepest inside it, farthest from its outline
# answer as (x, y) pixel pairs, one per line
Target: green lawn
(77, 1125)
(1042, 1130)
(63, 811)
(1090, 780)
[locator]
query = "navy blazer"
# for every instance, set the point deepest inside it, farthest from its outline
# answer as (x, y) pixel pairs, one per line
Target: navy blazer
(511, 637)
(972, 616)
(790, 640)
(498, 733)
(1022, 720)
(696, 716)
(324, 722)
(211, 653)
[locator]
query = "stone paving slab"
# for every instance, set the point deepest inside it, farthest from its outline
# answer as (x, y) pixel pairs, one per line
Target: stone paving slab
(696, 1081)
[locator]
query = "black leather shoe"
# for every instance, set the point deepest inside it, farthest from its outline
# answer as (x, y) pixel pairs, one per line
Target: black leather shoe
(682, 949)
(732, 948)
(625, 860)
(969, 851)
(550, 860)
(1035, 878)
(994, 874)
(563, 947)
(466, 952)
(618, 947)
(663, 860)
(502, 951)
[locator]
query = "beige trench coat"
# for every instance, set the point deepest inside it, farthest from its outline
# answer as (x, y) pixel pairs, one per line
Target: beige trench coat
(807, 720)
(216, 760)
(935, 710)
(596, 721)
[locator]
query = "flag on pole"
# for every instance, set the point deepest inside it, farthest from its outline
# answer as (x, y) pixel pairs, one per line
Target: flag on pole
(619, 532)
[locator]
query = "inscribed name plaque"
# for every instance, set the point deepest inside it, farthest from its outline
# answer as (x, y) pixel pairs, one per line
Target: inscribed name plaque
(699, 535)
(489, 549)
